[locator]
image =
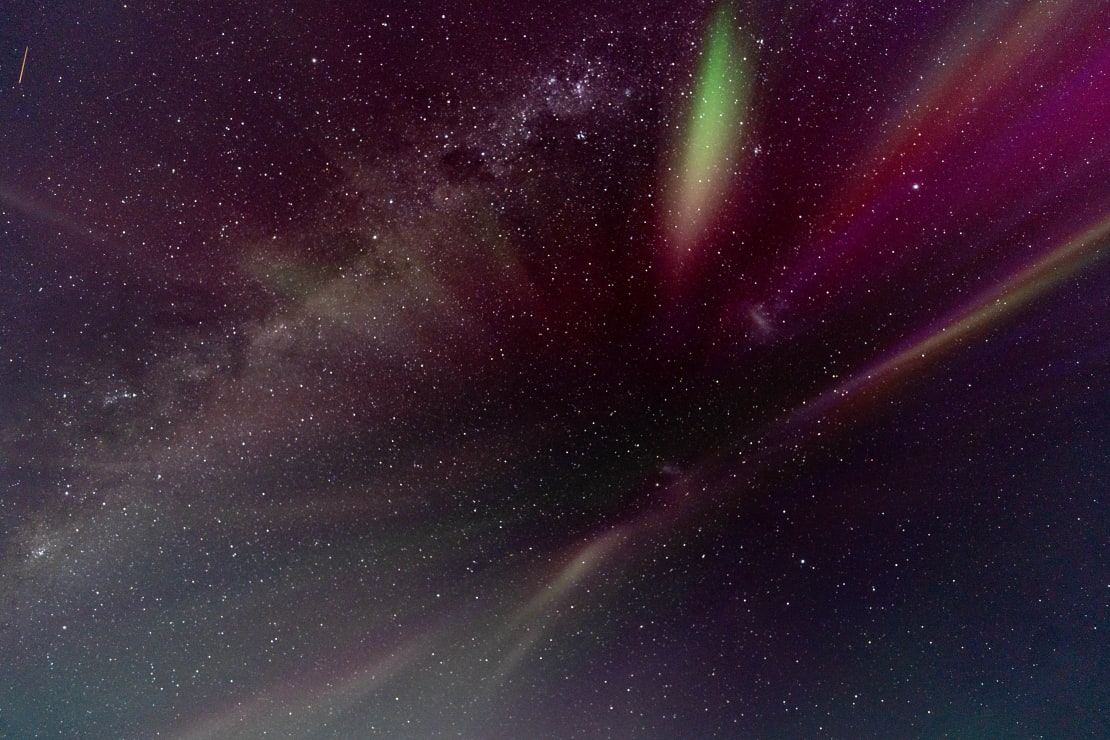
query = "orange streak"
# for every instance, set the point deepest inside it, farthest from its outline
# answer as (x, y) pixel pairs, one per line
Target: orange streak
(1004, 299)
(24, 65)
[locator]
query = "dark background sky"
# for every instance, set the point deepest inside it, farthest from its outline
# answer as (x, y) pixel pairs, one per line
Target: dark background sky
(349, 388)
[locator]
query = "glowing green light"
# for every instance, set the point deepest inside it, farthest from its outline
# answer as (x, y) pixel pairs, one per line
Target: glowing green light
(713, 130)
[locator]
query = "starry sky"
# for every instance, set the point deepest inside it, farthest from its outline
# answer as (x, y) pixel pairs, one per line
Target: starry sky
(609, 369)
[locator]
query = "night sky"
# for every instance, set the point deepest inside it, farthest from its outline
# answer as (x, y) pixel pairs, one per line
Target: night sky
(547, 370)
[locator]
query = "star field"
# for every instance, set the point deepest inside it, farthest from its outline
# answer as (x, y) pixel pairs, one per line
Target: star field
(595, 370)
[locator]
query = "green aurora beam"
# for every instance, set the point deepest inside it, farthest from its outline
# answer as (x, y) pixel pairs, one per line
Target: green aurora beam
(712, 134)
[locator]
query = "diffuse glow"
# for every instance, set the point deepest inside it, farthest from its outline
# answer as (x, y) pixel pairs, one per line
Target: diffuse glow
(986, 58)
